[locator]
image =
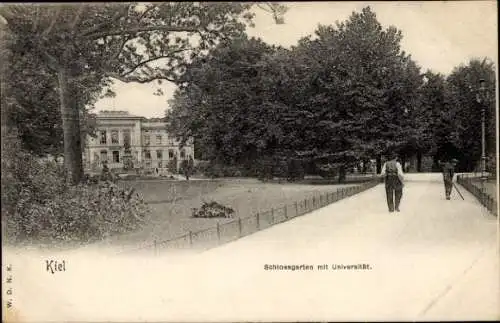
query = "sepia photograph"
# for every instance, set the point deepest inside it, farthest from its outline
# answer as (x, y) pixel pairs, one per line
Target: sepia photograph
(249, 161)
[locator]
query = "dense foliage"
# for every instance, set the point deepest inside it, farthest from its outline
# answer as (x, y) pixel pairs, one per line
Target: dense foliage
(344, 96)
(78, 48)
(39, 206)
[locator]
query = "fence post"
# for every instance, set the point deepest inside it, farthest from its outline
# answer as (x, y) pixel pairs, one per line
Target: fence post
(218, 233)
(240, 231)
(155, 248)
(272, 215)
(258, 221)
(286, 212)
(190, 238)
(314, 202)
(296, 208)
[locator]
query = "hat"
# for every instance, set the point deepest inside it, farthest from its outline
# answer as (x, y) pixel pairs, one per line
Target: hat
(453, 160)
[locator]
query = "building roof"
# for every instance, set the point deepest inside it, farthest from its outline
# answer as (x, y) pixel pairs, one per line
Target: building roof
(147, 124)
(105, 114)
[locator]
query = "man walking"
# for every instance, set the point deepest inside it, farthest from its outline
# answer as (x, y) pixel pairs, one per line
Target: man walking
(392, 173)
(448, 169)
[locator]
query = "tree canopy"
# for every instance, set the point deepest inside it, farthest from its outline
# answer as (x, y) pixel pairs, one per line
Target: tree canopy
(346, 94)
(81, 46)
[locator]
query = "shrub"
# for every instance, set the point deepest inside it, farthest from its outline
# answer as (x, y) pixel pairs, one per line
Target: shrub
(295, 169)
(201, 167)
(326, 170)
(213, 210)
(217, 170)
(38, 205)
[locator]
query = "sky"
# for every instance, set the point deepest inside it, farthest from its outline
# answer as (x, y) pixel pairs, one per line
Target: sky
(439, 35)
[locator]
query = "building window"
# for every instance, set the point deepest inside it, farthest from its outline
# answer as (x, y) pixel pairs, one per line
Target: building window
(126, 137)
(104, 155)
(158, 139)
(103, 140)
(183, 154)
(147, 140)
(148, 164)
(170, 153)
(159, 155)
(116, 156)
(114, 137)
(147, 154)
(160, 165)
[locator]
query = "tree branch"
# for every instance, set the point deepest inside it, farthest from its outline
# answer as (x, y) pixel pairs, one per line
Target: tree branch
(116, 16)
(262, 7)
(51, 60)
(78, 16)
(143, 29)
(127, 38)
(36, 20)
(145, 12)
(52, 23)
(137, 79)
(154, 59)
(120, 48)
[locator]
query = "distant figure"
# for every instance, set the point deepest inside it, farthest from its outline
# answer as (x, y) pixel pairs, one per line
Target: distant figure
(392, 173)
(448, 169)
(373, 167)
(106, 172)
(407, 167)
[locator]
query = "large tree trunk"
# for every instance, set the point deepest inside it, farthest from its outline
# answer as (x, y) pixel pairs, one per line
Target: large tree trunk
(379, 164)
(71, 127)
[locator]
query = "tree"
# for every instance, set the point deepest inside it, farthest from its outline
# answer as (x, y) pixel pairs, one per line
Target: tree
(363, 91)
(32, 104)
(126, 41)
(433, 120)
(463, 84)
(223, 104)
(343, 96)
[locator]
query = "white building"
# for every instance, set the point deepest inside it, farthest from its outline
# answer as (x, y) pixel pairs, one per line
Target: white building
(150, 145)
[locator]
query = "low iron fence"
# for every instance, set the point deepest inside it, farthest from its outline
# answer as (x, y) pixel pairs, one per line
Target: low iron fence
(484, 189)
(240, 227)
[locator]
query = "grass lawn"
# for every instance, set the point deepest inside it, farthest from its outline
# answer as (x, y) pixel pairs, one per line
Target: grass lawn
(166, 191)
(173, 202)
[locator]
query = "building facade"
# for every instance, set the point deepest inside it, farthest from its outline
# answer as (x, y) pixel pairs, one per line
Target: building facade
(146, 143)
